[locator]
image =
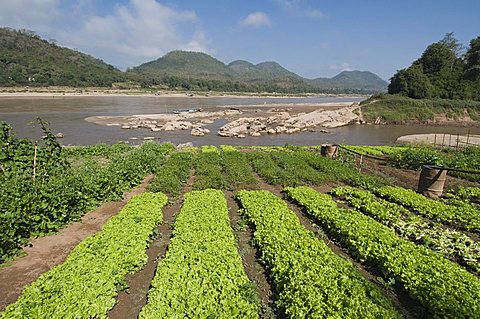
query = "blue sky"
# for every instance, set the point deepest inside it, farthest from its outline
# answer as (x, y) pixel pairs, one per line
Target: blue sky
(311, 38)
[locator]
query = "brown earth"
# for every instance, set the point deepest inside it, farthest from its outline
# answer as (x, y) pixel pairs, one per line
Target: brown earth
(47, 252)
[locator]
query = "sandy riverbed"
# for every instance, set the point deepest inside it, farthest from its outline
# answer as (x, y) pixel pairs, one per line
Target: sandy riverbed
(440, 139)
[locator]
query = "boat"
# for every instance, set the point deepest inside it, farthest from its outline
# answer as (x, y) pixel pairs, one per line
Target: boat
(194, 110)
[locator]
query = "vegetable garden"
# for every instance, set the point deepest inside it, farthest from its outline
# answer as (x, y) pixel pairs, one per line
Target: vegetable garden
(371, 249)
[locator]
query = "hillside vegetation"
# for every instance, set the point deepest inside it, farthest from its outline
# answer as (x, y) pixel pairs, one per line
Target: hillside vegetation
(26, 59)
(443, 71)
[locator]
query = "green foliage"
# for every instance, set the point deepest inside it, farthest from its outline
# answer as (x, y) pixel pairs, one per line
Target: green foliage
(441, 286)
(25, 59)
(450, 243)
(208, 170)
(201, 275)
(433, 209)
(413, 157)
(86, 284)
(60, 193)
(441, 72)
(172, 174)
(311, 280)
(397, 109)
(237, 170)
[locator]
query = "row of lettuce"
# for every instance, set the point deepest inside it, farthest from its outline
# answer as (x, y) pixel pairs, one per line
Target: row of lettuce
(444, 289)
(202, 274)
(87, 283)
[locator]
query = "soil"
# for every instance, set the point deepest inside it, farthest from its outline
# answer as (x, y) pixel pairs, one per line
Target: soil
(130, 302)
(47, 252)
(256, 271)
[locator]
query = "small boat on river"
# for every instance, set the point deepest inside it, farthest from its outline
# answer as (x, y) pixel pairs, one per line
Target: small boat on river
(194, 110)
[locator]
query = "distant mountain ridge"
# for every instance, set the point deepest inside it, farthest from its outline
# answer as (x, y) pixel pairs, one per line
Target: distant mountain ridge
(201, 65)
(26, 59)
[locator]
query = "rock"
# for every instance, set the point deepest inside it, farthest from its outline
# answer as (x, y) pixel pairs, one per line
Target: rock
(198, 131)
(155, 129)
(184, 145)
(324, 131)
(241, 136)
(271, 131)
(147, 138)
(126, 127)
(59, 135)
(255, 134)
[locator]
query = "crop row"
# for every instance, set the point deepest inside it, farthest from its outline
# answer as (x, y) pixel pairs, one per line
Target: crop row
(201, 275)
(445, 289)
(311, 280)
(450, 243)
(434, 209)
(86, 284)
(223, 170)
(172, 174)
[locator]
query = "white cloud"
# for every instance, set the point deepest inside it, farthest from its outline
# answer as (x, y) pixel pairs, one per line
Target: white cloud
(256, 19)
(315, 14)
(133, 33)
(343, 67)
(140, 31)
(295, 7)
(35, 15)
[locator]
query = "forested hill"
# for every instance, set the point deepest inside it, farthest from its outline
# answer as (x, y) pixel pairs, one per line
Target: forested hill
(26, 59)
(195, 65)
(446, 70)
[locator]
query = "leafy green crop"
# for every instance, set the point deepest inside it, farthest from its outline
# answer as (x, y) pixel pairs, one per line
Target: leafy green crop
(445, 289)
(450, 243)
(86, 284)
(201, 275)
(311, 280)
(469, 216)
(173, 174)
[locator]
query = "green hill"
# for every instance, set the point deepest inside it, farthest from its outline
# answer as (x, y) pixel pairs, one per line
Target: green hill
(186, 64)
(26, 59)
(354, 80)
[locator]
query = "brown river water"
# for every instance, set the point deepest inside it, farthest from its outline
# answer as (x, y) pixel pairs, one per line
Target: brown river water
(67, 115)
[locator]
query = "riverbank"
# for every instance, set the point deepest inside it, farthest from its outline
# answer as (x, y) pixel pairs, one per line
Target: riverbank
(100, 92)
(395, 109)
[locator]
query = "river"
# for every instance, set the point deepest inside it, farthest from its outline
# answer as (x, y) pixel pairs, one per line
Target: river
(67, 114)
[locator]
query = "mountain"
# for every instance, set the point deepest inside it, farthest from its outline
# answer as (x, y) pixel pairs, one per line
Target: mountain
(192, 65)
(187, 64)
(261, 71)
(26, 59)
(356, 80)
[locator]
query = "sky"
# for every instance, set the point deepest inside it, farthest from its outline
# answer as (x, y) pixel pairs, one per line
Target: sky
(313, 38)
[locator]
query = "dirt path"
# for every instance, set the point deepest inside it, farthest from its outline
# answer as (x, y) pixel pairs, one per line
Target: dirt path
(129, 304)
(49, 251)
(250, 257)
